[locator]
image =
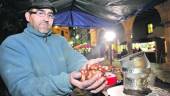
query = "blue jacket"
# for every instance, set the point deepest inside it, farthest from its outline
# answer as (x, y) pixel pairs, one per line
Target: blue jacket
(36, 64)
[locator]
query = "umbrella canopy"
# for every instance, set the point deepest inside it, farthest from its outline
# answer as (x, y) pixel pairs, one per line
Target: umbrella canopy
(78, 18)
(98, 13)
(82, 13)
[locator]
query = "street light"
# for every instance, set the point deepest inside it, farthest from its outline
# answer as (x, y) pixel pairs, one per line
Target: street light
(109, 37)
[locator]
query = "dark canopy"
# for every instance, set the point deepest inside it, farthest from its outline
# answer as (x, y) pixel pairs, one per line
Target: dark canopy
(81, 13)
(107, 9)
(97, 13)
(89, 13)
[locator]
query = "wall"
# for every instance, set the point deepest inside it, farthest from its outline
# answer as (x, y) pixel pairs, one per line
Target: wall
(164, 11)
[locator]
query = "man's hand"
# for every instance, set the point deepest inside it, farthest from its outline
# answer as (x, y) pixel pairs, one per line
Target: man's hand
(91, 62)
(95, 84)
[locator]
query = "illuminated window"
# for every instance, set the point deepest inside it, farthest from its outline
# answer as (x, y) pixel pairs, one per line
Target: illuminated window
(150, 28)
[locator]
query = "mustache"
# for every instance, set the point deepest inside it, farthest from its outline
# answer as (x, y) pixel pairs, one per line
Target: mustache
(44, 22)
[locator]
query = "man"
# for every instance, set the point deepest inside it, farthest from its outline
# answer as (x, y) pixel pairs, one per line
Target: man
(38, 63)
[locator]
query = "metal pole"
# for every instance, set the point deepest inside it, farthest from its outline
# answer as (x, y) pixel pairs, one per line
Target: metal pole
(110, 51)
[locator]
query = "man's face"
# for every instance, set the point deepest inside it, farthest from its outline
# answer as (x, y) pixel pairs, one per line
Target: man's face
(40, 19)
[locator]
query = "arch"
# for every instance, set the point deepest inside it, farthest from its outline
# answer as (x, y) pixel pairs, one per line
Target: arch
(139, 29)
